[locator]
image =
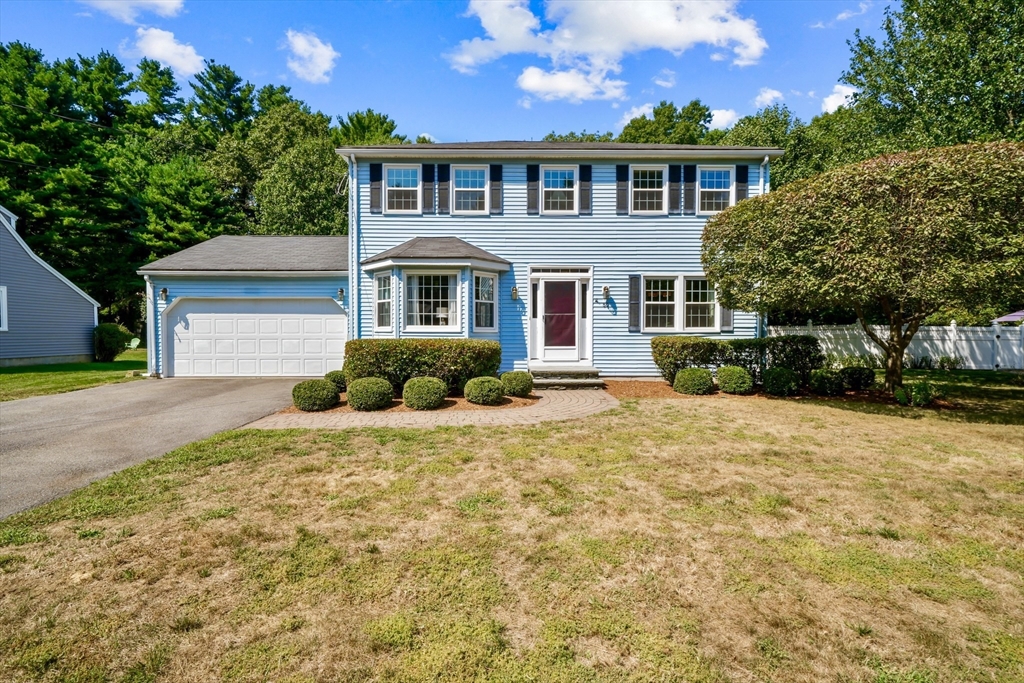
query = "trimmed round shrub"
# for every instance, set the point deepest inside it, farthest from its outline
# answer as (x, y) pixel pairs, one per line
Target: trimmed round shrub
(108, 341)
(517, 383)
(694, 381)
(370, 393)
(424, 393)
(858, 379)
(315, 395)
(733, 379)
(485, 391)
(827, 382)
(781, 382)
(337, 378)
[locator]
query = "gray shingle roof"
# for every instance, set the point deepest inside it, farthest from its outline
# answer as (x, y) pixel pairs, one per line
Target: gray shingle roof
(260, 253)
(426, 248)
(540, 149)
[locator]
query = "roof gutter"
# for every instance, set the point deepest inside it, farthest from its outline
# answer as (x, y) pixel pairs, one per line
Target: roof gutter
(424, 152)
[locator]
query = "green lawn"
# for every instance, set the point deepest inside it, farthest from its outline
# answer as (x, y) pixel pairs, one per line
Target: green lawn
(39, 380)
(704, 539)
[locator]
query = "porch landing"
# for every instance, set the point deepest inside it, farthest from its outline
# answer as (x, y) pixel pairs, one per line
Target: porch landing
(566, 377)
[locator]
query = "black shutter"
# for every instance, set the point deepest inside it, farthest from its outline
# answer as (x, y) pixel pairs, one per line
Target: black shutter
(622, 190)
(586, 186)
(376, 173)
(634, 303)
(532, 189)
(495, 177)
(742, 171)
(726, 320)
(444, 174)
(675, 182)
(690, 189)
(428, 188)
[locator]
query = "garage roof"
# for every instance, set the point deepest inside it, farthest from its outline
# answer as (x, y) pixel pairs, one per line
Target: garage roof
(435, 248)
(254, 253)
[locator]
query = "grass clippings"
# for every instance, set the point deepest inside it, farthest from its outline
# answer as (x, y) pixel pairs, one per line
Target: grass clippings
(704, 540)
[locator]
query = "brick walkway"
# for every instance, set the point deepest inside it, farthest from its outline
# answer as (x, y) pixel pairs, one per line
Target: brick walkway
(553, 405)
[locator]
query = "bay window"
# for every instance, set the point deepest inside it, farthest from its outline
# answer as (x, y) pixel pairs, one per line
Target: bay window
(432, 300)
(483, 302)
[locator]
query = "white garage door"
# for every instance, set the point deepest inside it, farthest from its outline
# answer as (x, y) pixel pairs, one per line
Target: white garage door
(255, 337)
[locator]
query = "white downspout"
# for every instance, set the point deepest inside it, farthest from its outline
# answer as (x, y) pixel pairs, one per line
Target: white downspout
(763, 319)
(761, 175)
(354, 275)
(150, 332)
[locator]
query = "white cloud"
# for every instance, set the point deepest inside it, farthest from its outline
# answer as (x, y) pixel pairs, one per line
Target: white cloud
(862, 8)
(525, 102)
(428, 136)
(129, 10)
(312, 60)
(723, 118)
(666, 79)
(161, 45)
(766, 97)
(840, 96)
(588, 40)
(640, 110)
(818, 24)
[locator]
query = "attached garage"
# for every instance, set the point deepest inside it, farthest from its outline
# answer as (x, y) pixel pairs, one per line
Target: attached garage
(253, 306)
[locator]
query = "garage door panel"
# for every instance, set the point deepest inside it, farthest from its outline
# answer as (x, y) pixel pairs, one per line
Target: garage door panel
(256, 337)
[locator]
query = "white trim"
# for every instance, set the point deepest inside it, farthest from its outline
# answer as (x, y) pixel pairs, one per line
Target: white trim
(436, 263)
(150, 331)
(664, 189)
(676, 278)
(472, 297)
(732, 187)
(486, 190)
(560, 269)
(244, 273)
(4, 324)
(575, 210)
(174, 302)
(717, 327)
(9, 224)
(569, 152)
(419, 189)
(455, 315)
(391, 326)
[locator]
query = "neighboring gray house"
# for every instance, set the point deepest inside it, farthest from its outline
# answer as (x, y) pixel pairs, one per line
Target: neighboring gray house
(44, 317)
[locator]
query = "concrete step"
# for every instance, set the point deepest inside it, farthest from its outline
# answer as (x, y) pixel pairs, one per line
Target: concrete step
(566, 372)
(550, 383)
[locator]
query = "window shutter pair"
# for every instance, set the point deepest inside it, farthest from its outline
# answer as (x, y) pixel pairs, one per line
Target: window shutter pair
(690, 189)
(742, 177)
(634, 303)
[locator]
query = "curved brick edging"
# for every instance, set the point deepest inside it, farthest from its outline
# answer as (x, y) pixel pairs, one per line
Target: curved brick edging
(553, 405)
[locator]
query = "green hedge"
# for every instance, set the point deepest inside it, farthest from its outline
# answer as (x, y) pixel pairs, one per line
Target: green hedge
(694, 381)
(486, 391)
(672, 354)
(424, 393)
(517, 383)
(799, 353)
(781, 382)
(453, 361)
(337, 378)
(315, 395)
(827, 382)
(108, 341)
(732, 379)
(369, 393)
(857, 378)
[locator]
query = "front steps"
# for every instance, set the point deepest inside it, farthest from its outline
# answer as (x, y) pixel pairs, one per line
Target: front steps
(566, 377)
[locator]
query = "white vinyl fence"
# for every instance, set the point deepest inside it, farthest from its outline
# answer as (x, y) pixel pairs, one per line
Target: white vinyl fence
(980, 348)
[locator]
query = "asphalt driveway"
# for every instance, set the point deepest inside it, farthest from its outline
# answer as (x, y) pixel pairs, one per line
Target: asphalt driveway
(51, 445)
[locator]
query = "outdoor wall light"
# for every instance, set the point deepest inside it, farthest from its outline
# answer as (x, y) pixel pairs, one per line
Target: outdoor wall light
(163, 294)
(606, 291)
(341, 294)
(515, 293)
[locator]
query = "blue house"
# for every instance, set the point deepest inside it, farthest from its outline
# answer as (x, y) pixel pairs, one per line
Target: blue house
(572, 255)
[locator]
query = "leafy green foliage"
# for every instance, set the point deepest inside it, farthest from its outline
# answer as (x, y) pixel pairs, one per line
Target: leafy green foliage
(109, 340)
(917, 394)
(672, 354)
(454, 361)
(517, 383)
(733, 379)
(367, 128)
(369, 393)
(781, 381)
(302, 194)
(424, 393)
(669, 125)
(825, 382)
(582, 136)
(858, 378)
(801, 353)
(486, 391)
(337, 378)
(315, 395)
(697, 381)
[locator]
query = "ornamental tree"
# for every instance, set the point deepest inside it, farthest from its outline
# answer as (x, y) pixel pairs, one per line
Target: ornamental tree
(910, 233)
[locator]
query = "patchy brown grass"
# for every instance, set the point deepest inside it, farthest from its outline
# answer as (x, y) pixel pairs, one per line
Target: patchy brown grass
(699, 540)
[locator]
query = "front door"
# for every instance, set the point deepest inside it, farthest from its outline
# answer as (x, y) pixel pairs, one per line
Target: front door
(561, 329)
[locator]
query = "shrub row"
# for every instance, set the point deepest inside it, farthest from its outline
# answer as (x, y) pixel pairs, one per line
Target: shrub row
(108, 341)
(800, 353)
(453, 361)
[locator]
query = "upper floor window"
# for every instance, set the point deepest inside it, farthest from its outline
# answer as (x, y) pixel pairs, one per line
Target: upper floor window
(432, 300)
(383, 302)
(648, 189)
(715, 191)
(470, 189)
(559, 189)
(483, 302)
(402, 184)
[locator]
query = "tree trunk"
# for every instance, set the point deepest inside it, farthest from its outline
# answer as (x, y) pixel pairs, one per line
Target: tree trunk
(893, 368)
(897, 341)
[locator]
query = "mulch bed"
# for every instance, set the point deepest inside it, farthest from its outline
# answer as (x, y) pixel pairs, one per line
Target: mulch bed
(456, 403)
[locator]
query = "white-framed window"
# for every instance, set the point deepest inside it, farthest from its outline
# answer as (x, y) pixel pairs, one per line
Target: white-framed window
(660, 302)
(382, 302)
(649, 189)
(402, 189)
(432, 301)
(699, 306)
(558, 190)
(485, 313)
(714, 188)
(469, 189)
(3, 309)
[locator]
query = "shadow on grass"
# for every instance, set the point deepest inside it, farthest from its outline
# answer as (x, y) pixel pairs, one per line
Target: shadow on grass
(124, 363)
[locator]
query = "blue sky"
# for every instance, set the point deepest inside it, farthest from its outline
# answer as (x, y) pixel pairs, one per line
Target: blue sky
(481, 70)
